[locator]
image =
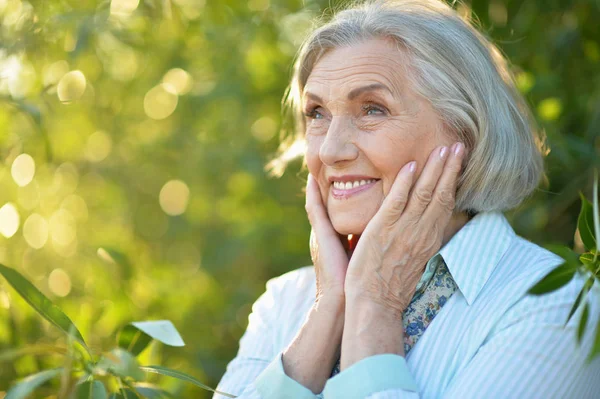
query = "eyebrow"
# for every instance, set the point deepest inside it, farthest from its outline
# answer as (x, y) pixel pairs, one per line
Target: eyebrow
(355, 92)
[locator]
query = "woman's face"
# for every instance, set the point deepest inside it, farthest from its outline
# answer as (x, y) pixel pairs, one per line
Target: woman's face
(363, 124)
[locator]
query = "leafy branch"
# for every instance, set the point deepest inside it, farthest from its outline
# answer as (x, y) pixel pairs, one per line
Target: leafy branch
(91, 371)
(587, 264)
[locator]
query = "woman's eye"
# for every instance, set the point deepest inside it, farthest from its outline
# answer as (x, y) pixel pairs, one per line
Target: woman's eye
(370, 108)
(313, 114)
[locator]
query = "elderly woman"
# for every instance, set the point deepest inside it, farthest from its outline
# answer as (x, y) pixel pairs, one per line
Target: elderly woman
(416, 141)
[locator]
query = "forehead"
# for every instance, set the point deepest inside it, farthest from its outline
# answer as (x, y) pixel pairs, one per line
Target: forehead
(373, 61)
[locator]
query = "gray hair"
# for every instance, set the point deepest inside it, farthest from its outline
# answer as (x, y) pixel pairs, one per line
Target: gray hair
(461, 73)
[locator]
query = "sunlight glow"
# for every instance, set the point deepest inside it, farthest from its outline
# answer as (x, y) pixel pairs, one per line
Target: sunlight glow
(59, 282)
(35, 231)
(160, 101)
(23, 170)
(180, 81)
(9, 220)
(174, 197)
(71, 86)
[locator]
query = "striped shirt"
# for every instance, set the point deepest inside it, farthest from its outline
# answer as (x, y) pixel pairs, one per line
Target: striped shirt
(490, 340)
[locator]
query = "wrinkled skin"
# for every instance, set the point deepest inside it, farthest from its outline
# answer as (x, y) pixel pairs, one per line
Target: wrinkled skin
(375, 134)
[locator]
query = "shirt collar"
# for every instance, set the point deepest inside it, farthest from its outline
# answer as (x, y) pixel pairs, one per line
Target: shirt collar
(473, 252)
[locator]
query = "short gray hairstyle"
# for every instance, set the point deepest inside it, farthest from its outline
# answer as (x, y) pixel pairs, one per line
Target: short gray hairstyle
(461, 73)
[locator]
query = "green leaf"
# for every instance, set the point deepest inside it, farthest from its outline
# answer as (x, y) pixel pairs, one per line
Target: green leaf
(587, 258)
(24, 387)
(121, 363)
(151, 391)
(596, 212)
(90, 390)
(554, 280)
(583, 322)
(585, 224)
(124, 394)
(133, 340)
(182, 376)
(41, 304)
(161, 330)
(40, 349)
(582, 294)
(596, 348)
(570, 257)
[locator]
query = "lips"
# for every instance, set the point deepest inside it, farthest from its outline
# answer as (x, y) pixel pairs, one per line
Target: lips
(344, 187)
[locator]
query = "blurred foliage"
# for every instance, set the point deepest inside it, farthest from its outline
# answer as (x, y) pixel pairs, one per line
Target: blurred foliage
(133, 135)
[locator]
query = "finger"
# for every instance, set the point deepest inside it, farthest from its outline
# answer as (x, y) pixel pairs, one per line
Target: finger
(317, 215)
(444, 195)
(422, 192)
(394, 203)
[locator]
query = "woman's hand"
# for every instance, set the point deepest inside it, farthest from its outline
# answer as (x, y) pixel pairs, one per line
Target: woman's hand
(328, 249)
(405, 233)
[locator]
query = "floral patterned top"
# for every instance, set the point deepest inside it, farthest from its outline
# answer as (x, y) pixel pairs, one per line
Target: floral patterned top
(432, 293)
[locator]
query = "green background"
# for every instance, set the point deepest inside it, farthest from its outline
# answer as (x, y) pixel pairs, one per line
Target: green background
(190, 91)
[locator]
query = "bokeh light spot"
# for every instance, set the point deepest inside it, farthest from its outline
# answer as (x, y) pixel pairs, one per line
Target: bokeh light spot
(59, 282)
(525, 82)
(180, 81)
(62, 227)
(264, 129)
(123, 7)
(98, 146)
(9, 220)
(23, 170)
(160, 101)
(54, 72)
(71, 86)
(174, 197)
(35, 231)
(550, 109)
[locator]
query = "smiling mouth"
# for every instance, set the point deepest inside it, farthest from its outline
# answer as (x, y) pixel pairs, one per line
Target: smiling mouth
(343, 190)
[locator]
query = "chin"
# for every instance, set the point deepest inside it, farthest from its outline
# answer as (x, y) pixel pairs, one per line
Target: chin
(346, 224)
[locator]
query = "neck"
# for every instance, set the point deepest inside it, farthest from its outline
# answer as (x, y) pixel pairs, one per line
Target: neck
(457, 221)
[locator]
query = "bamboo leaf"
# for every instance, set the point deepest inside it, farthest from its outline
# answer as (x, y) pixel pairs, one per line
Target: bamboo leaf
(161, 330)
(121, 363)
(90, 390)
(583, 322)
(596, 213)
(582, 295)
(182, 376)
(41, 303)
(152, 391)
(124, 394)
(133, 340)
(596, 348)
(585, 224)
(554, 280)
(24, 387)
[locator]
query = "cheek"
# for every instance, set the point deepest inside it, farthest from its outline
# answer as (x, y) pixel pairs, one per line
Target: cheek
(313, 161)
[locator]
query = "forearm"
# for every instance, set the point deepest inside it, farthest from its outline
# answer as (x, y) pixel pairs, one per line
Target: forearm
(370, 329)
(312, 354)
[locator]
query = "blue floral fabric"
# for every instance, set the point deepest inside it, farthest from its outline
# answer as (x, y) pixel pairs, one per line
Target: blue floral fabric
(426, 303)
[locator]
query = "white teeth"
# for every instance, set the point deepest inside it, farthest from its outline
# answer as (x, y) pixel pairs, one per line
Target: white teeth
(349, 185)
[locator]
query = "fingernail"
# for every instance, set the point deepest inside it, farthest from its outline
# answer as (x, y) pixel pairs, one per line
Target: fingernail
(412, 166)
(443, 152)
(458, 148)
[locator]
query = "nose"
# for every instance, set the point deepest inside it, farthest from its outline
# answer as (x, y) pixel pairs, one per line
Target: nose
(338, 146)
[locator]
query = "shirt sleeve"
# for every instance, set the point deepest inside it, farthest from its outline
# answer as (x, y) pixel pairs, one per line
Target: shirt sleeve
(373, 378)
(256, 372)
